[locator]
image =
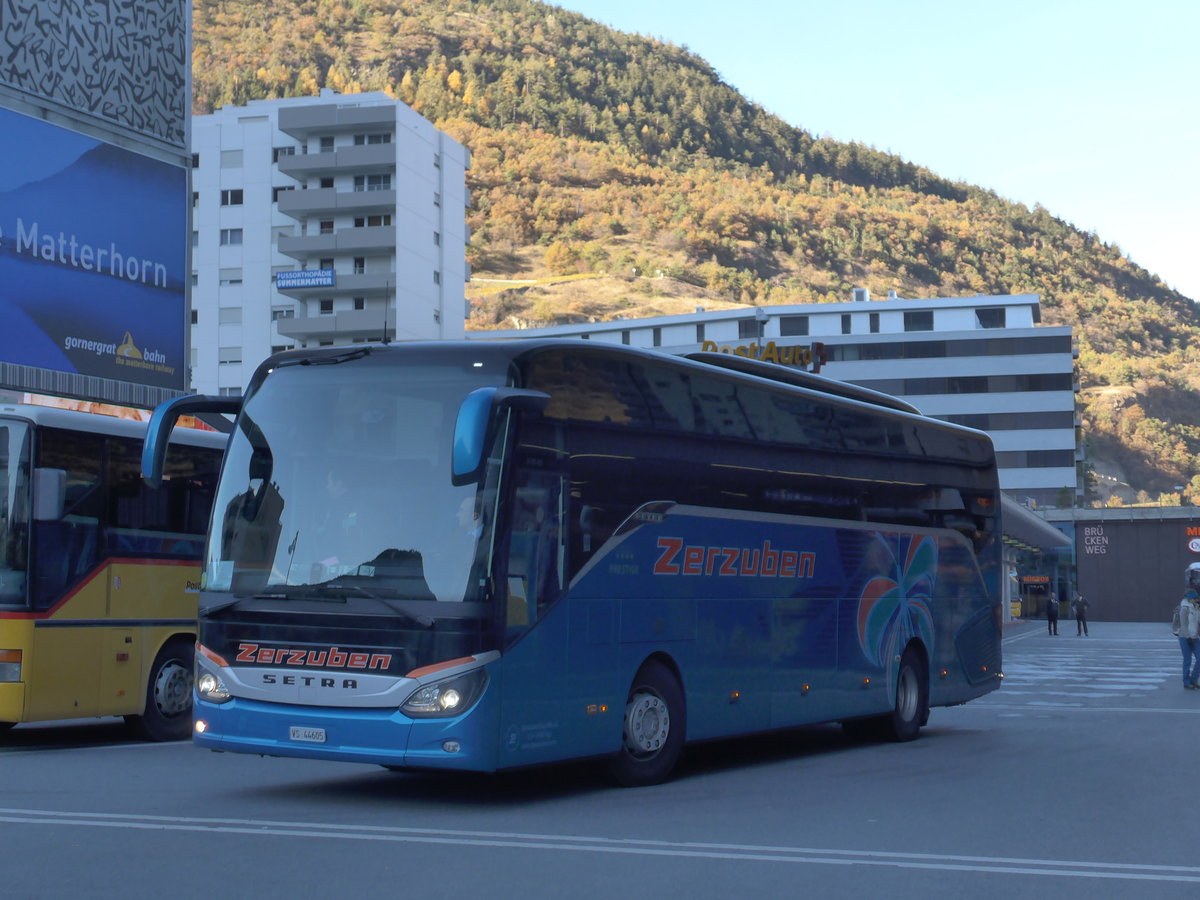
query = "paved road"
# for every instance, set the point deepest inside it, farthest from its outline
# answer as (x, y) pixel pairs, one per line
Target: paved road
(1070, 782)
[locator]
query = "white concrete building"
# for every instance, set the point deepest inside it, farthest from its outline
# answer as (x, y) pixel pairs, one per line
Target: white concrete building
(358, 192)
(978, 361)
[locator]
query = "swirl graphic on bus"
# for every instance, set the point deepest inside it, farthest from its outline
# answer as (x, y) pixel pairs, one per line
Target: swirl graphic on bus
(893, 609)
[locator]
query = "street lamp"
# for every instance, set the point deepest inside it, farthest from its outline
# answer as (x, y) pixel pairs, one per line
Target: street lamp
(760, 316)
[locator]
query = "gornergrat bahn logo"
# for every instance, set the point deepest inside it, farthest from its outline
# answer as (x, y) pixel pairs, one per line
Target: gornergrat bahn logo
(328, 658)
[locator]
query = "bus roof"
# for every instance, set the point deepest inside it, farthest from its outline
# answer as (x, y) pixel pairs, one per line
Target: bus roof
(514, 350)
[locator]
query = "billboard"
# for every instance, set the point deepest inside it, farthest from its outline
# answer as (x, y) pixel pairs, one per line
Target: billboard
(92, 256)
(123, 63)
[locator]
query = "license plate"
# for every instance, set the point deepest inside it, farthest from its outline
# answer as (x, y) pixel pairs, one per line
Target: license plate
(309, 735)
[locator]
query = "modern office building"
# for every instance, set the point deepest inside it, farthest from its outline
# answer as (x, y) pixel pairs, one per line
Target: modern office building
(981, 361)
(327, 220)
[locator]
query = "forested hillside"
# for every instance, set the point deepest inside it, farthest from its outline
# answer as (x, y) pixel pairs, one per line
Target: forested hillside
(598, 152)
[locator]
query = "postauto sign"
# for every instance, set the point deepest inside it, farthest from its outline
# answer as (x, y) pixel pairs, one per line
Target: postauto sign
(93, 245)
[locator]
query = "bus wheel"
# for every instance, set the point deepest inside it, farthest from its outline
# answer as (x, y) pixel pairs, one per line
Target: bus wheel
(912, 699)
(168, 715)
(655, 724)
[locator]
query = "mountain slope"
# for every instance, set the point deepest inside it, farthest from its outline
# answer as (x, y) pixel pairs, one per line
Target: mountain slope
(605, 153)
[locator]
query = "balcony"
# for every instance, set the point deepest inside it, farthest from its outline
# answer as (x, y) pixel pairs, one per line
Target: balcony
(372, 284)
(381, 239)
(333, 118)
(340, 327)
(327, 201)
(343, 161)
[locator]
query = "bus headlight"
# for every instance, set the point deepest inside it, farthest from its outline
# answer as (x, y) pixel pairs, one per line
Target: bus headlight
(211, 688)
(451, 697)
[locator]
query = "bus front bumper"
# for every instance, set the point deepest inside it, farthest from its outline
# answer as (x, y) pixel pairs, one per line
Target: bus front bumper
(383, 737)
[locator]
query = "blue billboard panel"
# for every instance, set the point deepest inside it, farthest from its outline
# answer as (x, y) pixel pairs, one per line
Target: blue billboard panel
(92, 256)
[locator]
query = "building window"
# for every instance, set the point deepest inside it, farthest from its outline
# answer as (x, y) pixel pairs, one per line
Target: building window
(990, 318)
(326, 307)
(373, 221)
(363, 139)
(327, 182)
(326, 144)
(437, 239)
(231, 159)
(288, 313)
(845, 323)
(625, 337)
(230, 315)
(231, 237)
(793, 326)
(229, 277)
(326, 226)
(656, 337)
(437, 199)
(229, 356)
(747, 329)
(437, 160)
(437, 277)
(324, 343)
(231, 392)
(874, 321)
(231, 197)
(276, 191)
(372, 182)
(360, 265)
(360, 302)
(699, 332)
(195, 278)
(195, 160)
(277, 152)
(195, 316)
(918, 320)
(195, 239)
(195, 199)
(279, 348)
(326, 263)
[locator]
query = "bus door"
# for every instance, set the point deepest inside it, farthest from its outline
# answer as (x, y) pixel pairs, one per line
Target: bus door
(537, 690)
(68, 588)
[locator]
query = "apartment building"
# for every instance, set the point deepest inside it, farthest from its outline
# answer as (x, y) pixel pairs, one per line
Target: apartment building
(321, 221)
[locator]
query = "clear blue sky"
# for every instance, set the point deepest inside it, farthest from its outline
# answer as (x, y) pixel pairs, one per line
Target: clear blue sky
(1089, 107)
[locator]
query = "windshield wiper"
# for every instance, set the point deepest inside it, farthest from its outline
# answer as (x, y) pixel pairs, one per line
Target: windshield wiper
(331, 360)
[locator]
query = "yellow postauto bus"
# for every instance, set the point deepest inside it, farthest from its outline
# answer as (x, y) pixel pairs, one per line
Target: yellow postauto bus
(99, 573)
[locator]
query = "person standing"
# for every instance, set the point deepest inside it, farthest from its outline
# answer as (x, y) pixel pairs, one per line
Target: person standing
(1052, 614)
(1079, 608)
(1189, 639)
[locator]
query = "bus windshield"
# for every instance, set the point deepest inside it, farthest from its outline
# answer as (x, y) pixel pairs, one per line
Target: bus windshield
(337, 488)
(14, 510)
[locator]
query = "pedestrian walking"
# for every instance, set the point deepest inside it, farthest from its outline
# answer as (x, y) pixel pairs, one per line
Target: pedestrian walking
(1079, 608)
(1052, 614)
(1189, 639)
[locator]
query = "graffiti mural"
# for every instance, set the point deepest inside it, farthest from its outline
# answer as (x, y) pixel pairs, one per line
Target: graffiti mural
(124, 61)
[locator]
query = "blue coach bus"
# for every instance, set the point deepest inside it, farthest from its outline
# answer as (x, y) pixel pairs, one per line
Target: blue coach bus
(488, 555)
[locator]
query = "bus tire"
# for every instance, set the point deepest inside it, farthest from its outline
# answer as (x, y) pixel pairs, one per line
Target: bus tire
(911, 708)
(168, 712)
(654, 728)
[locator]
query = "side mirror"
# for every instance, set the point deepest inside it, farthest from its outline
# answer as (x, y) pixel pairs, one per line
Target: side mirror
(49, 494)
(473, 426)
(158, 431)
